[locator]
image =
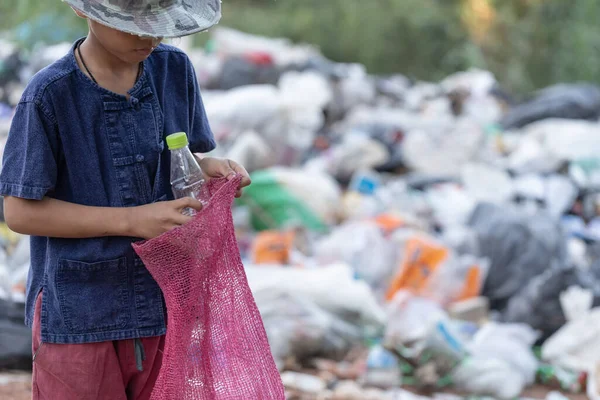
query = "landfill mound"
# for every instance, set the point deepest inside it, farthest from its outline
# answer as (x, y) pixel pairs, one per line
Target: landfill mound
(401, 238)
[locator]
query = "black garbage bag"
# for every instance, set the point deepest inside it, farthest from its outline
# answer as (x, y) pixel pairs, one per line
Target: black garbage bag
(570, 101)
(239, 71)
(538, 303)
(15, 337)
(519, 247)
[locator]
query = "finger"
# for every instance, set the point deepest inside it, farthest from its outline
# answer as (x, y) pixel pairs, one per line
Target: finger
(180, 219)
(245, 181)
(238, 193)
(172, 226)
(238, 169)
(233, 169)
(188, 202)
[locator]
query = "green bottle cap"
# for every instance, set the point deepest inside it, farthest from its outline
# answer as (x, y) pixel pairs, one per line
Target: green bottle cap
(177, 140)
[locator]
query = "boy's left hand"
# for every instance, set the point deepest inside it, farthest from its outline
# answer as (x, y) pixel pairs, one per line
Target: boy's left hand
(222, 168)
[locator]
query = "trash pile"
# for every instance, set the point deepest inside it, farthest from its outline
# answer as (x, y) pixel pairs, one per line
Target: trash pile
(402, 239)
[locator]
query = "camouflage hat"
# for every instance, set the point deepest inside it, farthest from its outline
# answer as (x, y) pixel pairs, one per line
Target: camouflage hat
(155, 18)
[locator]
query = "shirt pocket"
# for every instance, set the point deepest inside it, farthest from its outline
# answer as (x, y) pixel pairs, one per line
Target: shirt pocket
(93, 297)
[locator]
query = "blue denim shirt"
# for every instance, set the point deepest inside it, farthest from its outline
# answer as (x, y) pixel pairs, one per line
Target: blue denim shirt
(75, 141)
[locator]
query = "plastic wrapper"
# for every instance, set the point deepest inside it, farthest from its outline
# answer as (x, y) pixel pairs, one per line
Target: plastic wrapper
(461, 278)
(428, 268)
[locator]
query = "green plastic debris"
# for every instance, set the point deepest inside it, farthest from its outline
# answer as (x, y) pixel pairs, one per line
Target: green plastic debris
(272, 206)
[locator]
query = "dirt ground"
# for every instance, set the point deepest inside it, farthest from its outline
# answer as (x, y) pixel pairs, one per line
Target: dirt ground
(17, 386)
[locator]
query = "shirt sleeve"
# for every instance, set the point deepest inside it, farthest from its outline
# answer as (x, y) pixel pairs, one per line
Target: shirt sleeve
(29, 166)
(200, 135)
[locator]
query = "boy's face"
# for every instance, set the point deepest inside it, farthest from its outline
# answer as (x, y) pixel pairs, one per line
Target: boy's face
(128, 48)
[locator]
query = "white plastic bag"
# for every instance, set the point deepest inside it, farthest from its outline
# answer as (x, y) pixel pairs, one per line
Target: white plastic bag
(576, 345)
(486, 183)
(567, 139)
(501, 362)
(488, 376)
(452, 206)
(363, 246)
(317, 190)
(443, 151)
(354, 153)
(510, 343)
(576, 302)
(410, 318)
(251, 151)
(333, 288)
(253, 107)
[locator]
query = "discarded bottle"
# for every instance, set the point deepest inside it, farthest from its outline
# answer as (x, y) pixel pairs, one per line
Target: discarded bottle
(186, 176)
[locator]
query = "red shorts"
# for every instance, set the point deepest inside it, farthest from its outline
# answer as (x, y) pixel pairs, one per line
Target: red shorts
(94, 371)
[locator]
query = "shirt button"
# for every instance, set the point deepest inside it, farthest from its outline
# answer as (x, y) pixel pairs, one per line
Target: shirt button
(139, 158)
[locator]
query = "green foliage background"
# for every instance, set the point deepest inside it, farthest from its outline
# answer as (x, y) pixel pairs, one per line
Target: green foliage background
(527, 44)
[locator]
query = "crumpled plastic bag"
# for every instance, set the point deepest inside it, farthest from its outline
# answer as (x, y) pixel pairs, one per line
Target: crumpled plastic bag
(501, 363)
(313, 312)
(332, 288)
(576, 345)
(356, 151)
(298, 327)
(410, 318)
(567, 140)
(362, 245)
(489, 376)
(216, 346)
(443, 151)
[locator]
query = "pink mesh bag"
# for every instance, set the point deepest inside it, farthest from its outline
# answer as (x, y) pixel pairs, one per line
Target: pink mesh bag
(216, 346)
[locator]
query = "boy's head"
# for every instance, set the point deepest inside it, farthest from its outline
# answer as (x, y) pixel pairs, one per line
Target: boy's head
(127, 47)
(131, 28)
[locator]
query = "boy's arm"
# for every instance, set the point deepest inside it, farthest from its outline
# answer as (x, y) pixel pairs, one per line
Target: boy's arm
(60, 219)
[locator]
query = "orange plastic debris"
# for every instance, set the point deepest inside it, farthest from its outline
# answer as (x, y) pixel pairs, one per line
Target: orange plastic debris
(421, 259)
(273, 247)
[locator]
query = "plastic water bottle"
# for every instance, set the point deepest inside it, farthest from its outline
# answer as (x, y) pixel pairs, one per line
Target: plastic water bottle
(186, 176)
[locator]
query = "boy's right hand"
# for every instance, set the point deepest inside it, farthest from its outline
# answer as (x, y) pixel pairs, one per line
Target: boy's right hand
(152, 220)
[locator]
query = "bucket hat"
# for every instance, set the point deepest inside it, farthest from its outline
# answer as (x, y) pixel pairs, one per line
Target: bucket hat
(154, 18)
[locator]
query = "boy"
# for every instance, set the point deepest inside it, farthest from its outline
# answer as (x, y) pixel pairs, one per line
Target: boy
(86, 173)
